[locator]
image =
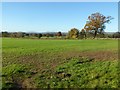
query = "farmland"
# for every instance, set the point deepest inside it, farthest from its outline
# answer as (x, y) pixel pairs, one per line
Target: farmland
(37, 63)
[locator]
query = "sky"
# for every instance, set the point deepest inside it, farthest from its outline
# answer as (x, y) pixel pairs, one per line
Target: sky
(54, 16)
(60, 0)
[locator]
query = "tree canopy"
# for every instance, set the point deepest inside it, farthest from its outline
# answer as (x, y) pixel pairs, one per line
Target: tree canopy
(59, 34)
(96, 22)
(73, 33)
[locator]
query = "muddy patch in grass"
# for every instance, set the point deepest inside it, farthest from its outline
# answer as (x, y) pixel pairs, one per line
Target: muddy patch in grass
(43, 61)
(96, 55)
(50, 60)
(101, 55)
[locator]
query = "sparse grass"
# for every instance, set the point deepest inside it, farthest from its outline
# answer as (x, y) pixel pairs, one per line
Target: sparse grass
(36, 63)
(81, 73)
(12, 74)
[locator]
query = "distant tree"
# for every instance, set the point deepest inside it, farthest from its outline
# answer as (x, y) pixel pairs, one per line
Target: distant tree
(110, 36)
(59, 34)
(47, 35)
(116, 35)
(96, 22)
(0, 34)
(34, 34)
(82, 34)
(43, 35)
(39, 35)
(20, 34)
(5, 34)
(102, 35)
(73, 33)
(14, 34)
(27, 34)
(17, 34)
(51, 35)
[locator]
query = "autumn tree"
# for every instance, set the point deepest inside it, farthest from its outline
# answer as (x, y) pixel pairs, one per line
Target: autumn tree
(96, 22)
(73, 33)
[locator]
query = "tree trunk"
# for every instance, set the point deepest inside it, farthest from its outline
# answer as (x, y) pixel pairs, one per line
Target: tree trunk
(95, 34)
(85, 35)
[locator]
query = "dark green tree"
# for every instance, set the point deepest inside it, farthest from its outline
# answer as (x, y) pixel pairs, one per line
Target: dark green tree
(59, 34)
(82, 34)
(5, 34)
(39, 35)
(116, 35)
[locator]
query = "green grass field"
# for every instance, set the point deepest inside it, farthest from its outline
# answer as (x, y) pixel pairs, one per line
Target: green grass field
(34, 63)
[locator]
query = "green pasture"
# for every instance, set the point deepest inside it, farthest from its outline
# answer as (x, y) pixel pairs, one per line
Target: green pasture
(43, 63)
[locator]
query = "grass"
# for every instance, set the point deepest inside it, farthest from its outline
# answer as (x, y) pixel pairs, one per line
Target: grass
(60, 63)
(81, 73)
(9, 72)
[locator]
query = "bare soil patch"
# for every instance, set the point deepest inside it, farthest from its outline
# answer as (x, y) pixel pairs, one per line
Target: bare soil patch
(50, 60)
(101, 55)
(42, 63)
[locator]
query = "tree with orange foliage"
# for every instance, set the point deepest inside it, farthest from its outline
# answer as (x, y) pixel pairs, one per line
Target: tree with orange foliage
(96, 22)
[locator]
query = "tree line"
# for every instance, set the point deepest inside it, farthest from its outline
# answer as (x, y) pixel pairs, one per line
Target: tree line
(72, 34)
(24, 34)
(94, 27)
